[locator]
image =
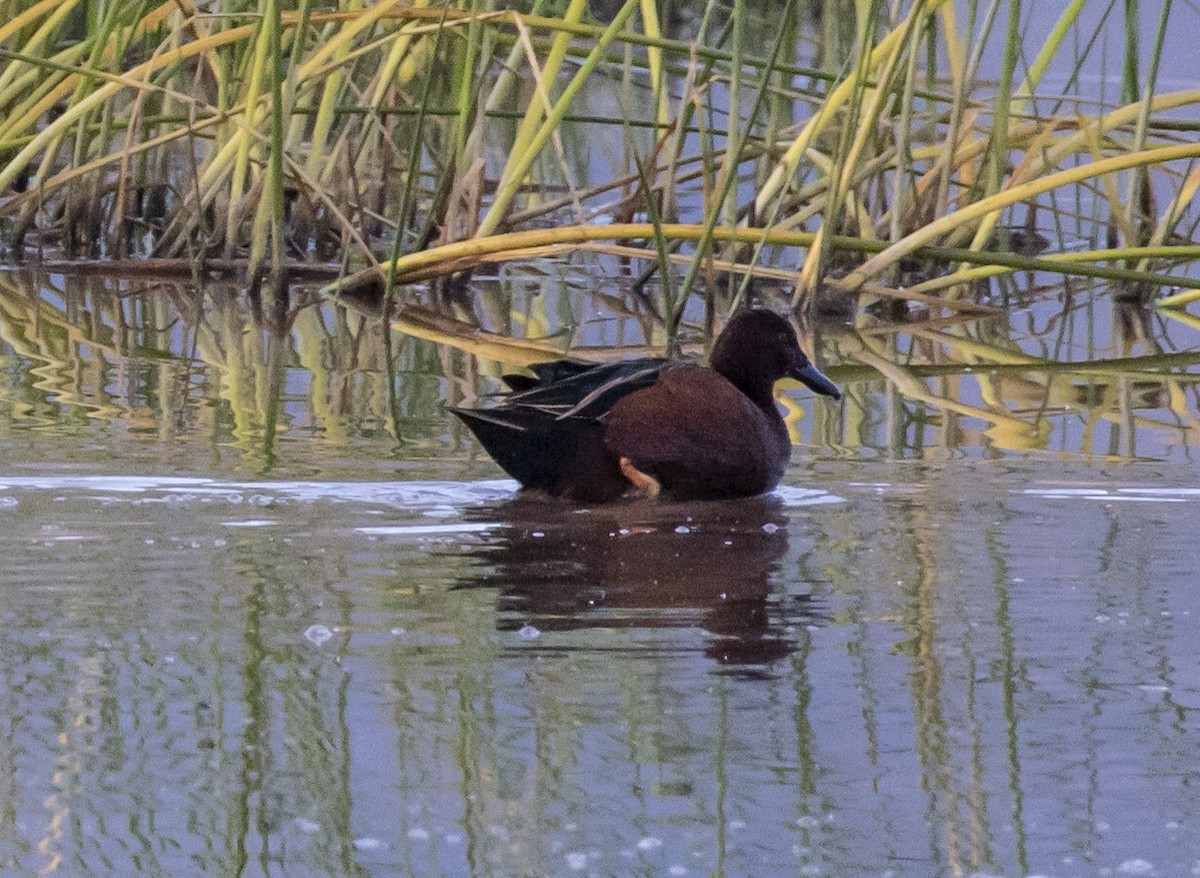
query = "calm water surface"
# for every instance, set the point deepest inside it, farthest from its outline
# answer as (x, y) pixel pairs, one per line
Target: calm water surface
(887, 668)
(265, 610)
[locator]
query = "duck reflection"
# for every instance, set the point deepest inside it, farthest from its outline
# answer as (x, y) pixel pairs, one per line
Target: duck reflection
(647, 565)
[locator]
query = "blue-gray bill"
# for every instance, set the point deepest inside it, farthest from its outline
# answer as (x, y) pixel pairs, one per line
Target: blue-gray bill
(814, 379)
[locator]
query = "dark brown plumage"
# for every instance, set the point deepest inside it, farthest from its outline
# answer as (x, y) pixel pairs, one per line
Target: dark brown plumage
(594, 433)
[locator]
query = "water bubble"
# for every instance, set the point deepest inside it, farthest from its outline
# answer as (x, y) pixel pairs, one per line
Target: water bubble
(307, 826)
(1135, 866)
(528, 632)
(683, 529)
(808, 822)
(318, 634)
(367, 844)
(418, 834)
(576, 860)
(8, 502)
(770, 528)
(649, 843)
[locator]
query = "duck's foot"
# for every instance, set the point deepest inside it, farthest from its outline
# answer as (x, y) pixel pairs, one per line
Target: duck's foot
(643, 485)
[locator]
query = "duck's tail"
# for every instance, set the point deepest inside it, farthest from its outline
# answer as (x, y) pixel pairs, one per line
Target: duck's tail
(563, 457)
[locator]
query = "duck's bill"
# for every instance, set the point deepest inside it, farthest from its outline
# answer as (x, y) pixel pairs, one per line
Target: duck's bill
(812, 377)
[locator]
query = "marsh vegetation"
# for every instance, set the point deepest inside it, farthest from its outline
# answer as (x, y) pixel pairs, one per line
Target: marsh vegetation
(592, 179)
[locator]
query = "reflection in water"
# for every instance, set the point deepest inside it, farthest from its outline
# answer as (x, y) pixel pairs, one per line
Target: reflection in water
(155, 361)
(969, 611)
(646, 564)
(312, 678)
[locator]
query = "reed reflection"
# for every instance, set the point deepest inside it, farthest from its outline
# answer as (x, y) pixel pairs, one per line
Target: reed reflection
(716, 566)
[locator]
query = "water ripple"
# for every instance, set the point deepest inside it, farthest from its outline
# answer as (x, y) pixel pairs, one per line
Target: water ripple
(183, 489)
(427, 494)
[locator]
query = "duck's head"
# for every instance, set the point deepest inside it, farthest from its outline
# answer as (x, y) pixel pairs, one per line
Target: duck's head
(757, 348)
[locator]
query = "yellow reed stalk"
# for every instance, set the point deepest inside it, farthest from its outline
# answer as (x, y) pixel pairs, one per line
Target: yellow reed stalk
(422, 324)
(868, 121)
(317, 166)
(521, 153)
(459, 255)
(25, 19)
(24, 114)
(355, 22)
(112, 86)
(527, 147)
(389, 69)
(1045, 55)
(247, 123)
(1178, 300)
(956, 52)
(654, 57)
(832, 103)
(35, 42)
(1128, 114)
(1079, 257)
(1179, 204)
(1024, 192)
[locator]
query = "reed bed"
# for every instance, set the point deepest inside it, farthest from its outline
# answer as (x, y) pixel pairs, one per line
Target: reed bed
(413, 141)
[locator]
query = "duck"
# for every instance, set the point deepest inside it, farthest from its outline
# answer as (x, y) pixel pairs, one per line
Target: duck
(596, 432)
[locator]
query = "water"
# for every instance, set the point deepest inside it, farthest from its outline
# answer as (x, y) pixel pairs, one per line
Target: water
(888, 668)
(266, 610)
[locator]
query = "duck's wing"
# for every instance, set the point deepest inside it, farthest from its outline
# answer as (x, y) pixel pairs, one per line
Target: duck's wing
(575, 390)
(580, 392)
(565, 457)
(545, 374)
(608, 385)
(550, 436)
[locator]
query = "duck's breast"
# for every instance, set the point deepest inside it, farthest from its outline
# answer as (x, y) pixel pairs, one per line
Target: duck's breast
(699, 436)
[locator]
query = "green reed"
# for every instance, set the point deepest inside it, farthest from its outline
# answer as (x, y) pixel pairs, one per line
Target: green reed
(360, 135)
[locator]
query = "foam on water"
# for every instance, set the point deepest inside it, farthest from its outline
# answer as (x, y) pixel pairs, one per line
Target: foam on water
(440, 497)
(183, 489)
(1109, 495)
(796, 497)
(426, 529)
